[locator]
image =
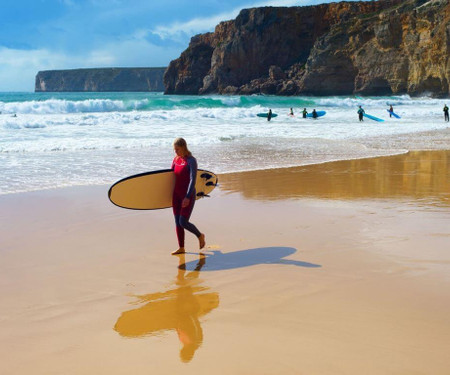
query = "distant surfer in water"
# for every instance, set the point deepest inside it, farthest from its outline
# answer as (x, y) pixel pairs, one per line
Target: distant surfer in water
(361, 113)
(304, 113)
(314, 114)
(391, 111)
(184, 166)
(269, 115)
(291, 113)
(445, 112)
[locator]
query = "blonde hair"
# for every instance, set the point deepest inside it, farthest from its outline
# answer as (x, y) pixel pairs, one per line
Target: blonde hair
(181, 142)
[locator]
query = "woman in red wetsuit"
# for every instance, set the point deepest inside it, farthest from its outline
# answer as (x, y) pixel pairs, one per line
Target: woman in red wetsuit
(184, 167)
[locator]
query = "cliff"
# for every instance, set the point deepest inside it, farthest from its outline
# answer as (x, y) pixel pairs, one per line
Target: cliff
(101, 79)
(373, 48)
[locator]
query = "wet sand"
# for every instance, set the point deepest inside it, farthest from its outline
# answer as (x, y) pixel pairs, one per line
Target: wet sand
(339, 268)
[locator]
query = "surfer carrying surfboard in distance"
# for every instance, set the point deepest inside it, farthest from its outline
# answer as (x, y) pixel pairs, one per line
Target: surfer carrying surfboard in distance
(391, 110)
(184, 166)
(361, 113)
(269, 115)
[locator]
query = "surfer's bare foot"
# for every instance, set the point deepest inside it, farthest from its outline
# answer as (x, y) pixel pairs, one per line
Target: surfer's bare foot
(181, 250)
(201, 241)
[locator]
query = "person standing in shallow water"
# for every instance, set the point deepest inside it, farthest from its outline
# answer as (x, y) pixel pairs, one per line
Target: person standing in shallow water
(391, 110)
(304, 113)
(361, 113)
(445, 112)
(269, 115)
(184, 166)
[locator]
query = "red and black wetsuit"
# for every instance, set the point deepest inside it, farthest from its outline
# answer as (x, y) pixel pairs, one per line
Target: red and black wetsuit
(185, 170)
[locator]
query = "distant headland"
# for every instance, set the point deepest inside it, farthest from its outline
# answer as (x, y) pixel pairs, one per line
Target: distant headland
(100, 79)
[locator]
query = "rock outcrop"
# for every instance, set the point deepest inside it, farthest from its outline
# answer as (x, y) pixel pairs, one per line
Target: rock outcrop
(374, 48)
(101, 79)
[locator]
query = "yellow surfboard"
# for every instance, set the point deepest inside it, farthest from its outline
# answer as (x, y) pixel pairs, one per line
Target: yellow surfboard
(153, 190)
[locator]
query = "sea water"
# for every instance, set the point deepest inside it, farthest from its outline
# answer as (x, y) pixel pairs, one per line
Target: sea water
(50, 140)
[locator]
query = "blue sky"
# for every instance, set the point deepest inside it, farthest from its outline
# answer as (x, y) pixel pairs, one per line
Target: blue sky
(67, 34)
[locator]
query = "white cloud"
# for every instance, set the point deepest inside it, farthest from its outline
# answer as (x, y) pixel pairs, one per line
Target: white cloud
(192, 27)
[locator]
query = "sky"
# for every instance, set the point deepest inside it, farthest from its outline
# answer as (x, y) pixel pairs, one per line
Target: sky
(68, 34)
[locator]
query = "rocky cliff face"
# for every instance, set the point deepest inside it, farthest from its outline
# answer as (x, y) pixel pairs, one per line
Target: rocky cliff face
(377, 47)
(101, 79)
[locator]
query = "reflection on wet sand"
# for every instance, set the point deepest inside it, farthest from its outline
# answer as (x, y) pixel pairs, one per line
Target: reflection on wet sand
(176, 309)
(420, 174)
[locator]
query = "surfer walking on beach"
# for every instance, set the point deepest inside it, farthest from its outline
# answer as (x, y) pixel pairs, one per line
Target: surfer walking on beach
(361, 113)
(445, 113)
(184, 166)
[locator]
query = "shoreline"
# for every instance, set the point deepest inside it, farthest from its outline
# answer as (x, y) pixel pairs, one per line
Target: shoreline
(445, 136)
(318, 269)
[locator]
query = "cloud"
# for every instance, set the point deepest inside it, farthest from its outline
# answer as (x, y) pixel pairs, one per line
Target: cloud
(183, 30)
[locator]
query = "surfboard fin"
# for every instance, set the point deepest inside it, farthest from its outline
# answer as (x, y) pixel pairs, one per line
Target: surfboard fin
(210, 183)
(202, 195)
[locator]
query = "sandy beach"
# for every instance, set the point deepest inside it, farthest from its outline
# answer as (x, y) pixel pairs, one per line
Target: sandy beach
(336, 268)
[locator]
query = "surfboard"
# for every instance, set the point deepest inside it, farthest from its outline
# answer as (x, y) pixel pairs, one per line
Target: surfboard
(373, 117)
(319, 114)
(266, 114)
(393, 114)
(153, 190)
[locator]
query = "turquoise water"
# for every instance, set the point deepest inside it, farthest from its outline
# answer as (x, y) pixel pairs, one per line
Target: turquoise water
(72, 102)
(63, 139)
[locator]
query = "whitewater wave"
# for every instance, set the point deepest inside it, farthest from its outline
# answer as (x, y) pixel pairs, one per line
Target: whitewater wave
(56, 106)
(376, 102)
(150, 103)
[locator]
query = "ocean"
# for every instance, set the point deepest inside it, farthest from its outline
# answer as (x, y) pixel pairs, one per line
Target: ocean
(52, 140)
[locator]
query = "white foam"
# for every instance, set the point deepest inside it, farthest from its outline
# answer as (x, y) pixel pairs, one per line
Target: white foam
(52, 106)
(58, 143)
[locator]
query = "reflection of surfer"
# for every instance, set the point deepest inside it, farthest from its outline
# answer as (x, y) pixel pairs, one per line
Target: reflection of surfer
(176, 309)
(361, 113)
(188, 308)
(184, 166)
(391, 110)
(269, 115)
(445, 112)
